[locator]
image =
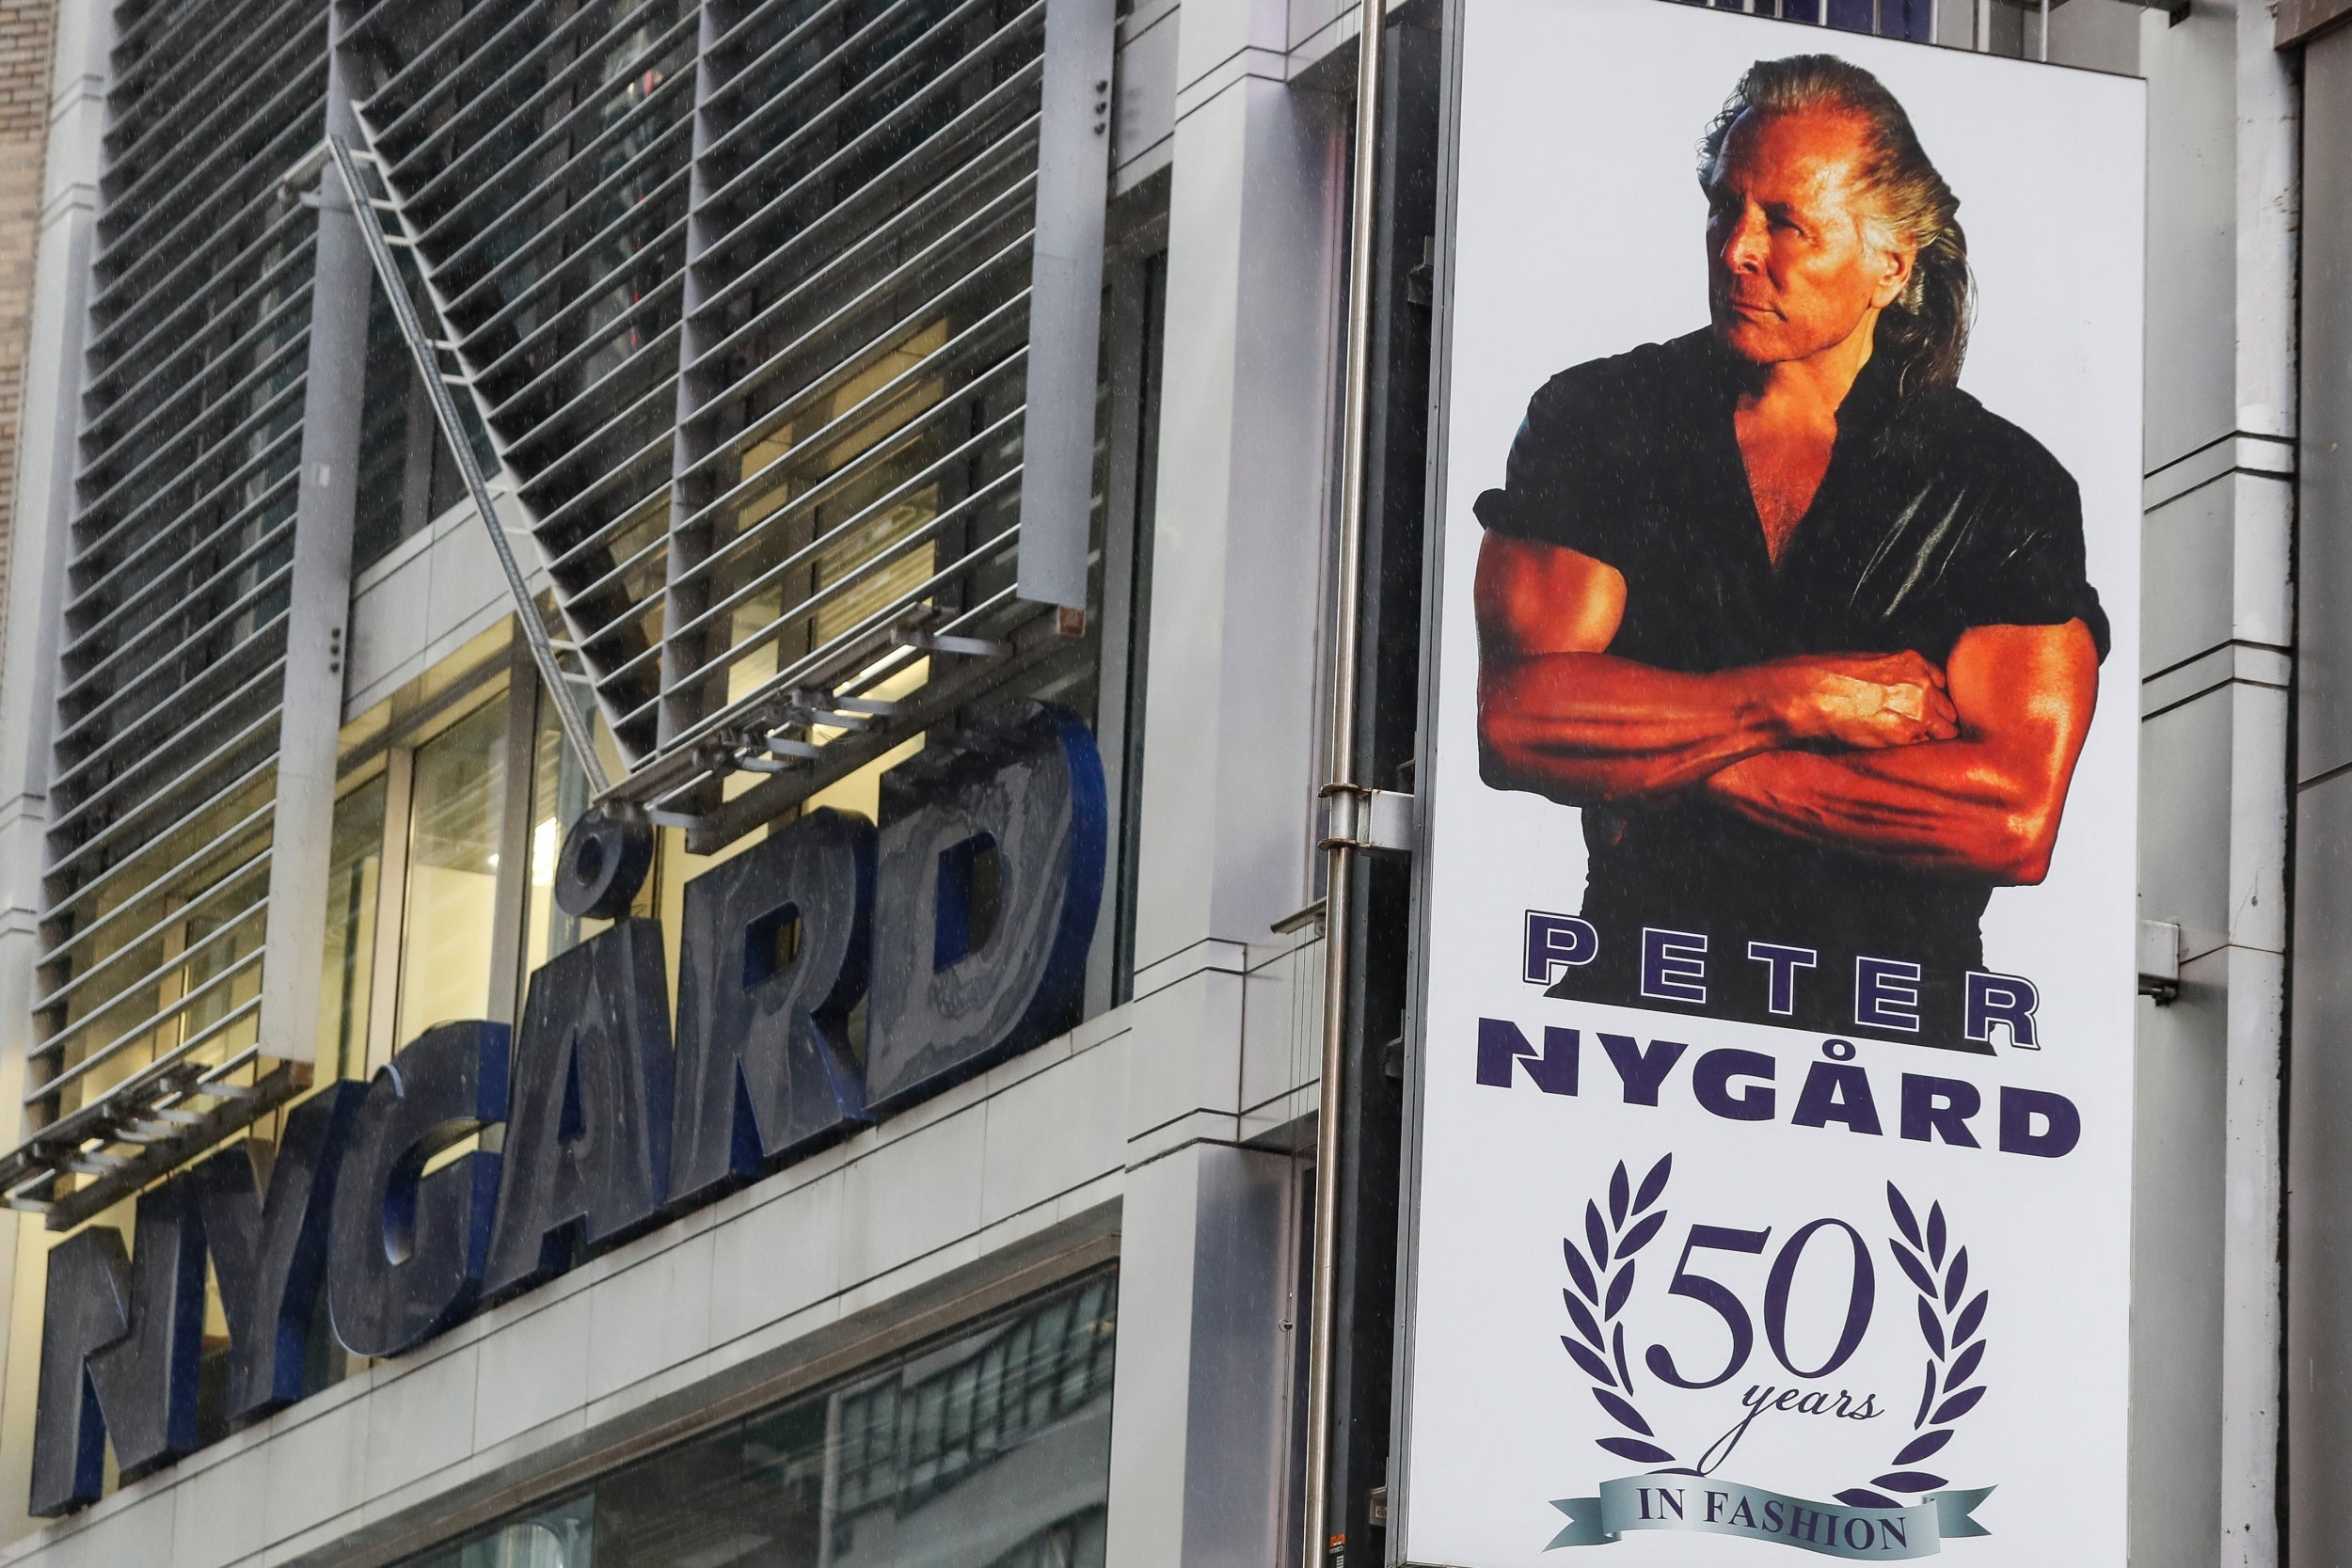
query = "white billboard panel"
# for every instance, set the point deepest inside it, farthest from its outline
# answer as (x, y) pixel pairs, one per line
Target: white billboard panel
(1769, 1143)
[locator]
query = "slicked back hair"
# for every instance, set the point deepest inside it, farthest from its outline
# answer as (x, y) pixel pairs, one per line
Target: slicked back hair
(1925, 330)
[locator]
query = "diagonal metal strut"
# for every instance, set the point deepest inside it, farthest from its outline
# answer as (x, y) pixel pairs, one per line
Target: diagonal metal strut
(552, 676)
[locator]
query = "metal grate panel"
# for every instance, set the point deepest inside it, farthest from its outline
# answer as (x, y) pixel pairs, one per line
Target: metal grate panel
(778, 317)
(742, 291)
(173, 648)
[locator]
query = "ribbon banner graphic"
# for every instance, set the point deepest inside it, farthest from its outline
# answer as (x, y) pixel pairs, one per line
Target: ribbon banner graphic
(1728, 1508)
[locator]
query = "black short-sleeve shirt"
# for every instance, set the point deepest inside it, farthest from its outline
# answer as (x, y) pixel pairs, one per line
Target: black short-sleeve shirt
(1936, 516)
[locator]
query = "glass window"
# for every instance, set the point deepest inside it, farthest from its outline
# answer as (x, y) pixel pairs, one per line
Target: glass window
(1129, 809)
(389, 507)
(991, 1450)
(354, 870)
(559, 794)
(448, 930)
(407, 474)
(559, 1537)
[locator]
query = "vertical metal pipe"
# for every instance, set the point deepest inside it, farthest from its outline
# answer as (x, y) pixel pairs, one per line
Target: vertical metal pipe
(1344, 792)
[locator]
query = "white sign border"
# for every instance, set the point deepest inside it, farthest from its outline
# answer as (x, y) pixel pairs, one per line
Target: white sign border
(1426, 773)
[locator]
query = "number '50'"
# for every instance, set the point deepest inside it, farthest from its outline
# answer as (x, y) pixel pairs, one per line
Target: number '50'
(1719, 1298)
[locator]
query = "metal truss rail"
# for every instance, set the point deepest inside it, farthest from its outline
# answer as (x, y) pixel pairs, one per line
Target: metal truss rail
(552, 676)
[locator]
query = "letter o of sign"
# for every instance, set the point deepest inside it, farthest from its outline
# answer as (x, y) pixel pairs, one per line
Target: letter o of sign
(602, 865)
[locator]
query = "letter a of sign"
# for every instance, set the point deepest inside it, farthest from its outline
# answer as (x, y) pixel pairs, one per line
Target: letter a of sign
(773, 960)
(587, 1157)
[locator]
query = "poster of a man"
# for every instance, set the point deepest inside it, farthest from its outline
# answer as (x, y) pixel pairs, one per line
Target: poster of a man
(1803, 628)
(1776, 785)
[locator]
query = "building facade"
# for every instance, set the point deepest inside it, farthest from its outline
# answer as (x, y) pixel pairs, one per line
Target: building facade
(909, 434)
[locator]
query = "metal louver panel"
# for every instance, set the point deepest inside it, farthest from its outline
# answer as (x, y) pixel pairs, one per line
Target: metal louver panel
(173, 644)
(747, 296)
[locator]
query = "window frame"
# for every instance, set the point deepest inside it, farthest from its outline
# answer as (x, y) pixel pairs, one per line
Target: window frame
(389, 752)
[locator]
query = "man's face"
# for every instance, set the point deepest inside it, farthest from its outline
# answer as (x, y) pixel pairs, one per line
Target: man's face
(1796, 262)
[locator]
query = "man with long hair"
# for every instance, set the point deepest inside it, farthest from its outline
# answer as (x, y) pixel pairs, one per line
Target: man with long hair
(1801, 626)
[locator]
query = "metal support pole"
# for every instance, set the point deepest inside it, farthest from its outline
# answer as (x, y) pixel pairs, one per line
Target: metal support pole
(310, 707)
(412, 332)
(1346, 795)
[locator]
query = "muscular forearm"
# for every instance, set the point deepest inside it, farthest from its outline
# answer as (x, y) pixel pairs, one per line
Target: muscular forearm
(1985, 802)
(1588, 727)
(1559, 716)
(1584, 727)
(1957, 806)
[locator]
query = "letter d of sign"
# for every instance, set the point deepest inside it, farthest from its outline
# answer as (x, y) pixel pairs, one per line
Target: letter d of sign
(119, 1349)
(269, 1248)
(772, 960)
(587, 1157)
(951, 996)
(406, 1255)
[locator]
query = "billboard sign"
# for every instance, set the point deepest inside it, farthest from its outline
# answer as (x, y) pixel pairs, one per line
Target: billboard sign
(1770, 1132)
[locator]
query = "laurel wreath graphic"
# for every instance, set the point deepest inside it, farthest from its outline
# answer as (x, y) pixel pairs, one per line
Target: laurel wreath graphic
(1600, 1278)
(1951, 1326)
(1602, 1285)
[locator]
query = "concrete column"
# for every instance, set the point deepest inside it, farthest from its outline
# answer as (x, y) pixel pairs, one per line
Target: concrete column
(1201, 1450)
(2253, 1321)
(38, 543)
(2319, 1158)
(1203, 1440)
(38, 548)
(2218, 665)
(1230, 736)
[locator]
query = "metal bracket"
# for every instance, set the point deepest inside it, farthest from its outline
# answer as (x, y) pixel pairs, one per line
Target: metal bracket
(937, 643)
(1378, 820)
(2159, 951)
(1299, 919)
(72, 1147)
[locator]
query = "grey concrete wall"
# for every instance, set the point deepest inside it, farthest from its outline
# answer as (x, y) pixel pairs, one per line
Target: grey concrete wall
(437, 590)
(2319, 1157)
(27, 33)
(37, 552)
(991, 1190)
(1105, 1143)
(2217, 663)
(1204, 1433)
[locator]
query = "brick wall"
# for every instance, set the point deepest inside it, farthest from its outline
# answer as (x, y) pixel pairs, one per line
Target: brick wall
(28, 32)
